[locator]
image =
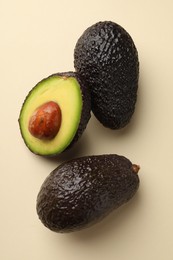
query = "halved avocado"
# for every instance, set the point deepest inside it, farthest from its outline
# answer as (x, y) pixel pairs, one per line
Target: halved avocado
(73, 100)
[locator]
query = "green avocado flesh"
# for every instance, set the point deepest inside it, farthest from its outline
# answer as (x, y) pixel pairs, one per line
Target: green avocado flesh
(66, 92)
(82, 191)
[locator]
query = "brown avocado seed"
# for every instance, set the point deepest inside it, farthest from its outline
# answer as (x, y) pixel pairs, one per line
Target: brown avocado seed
(45, 121)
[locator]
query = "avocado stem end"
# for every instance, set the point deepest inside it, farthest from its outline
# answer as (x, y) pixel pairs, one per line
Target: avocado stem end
(135, 168)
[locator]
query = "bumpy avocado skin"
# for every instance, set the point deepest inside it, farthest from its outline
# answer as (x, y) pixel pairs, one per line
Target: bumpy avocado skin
(86, 109)
(106, 58)
(80, 192)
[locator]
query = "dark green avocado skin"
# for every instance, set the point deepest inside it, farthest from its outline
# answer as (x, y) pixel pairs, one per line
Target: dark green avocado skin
(106, 58)
(86, 108)
(80, 192)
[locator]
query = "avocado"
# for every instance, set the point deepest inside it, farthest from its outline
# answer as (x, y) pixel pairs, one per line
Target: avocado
(54, 114)
(106, 58)
(80, 192)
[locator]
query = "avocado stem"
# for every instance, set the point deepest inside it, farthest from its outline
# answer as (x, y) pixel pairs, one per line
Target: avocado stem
(135, 168)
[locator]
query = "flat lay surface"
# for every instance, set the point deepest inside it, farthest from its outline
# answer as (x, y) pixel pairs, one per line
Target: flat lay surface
(37, 40)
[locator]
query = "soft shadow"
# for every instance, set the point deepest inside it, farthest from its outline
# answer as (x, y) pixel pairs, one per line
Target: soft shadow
(110, 224)
(79, 149)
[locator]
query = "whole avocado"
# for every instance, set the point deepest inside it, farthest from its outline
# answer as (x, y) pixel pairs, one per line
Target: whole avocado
(82, 191)
(106, 58)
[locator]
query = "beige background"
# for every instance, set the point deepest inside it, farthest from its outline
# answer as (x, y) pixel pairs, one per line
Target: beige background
(37, 38)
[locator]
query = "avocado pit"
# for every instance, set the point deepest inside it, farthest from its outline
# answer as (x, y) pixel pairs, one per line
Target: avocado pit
(45, 121)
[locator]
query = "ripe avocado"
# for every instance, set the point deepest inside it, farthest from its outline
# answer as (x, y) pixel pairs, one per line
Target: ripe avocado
(106, 58)
(82, 191)
(54, 114)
